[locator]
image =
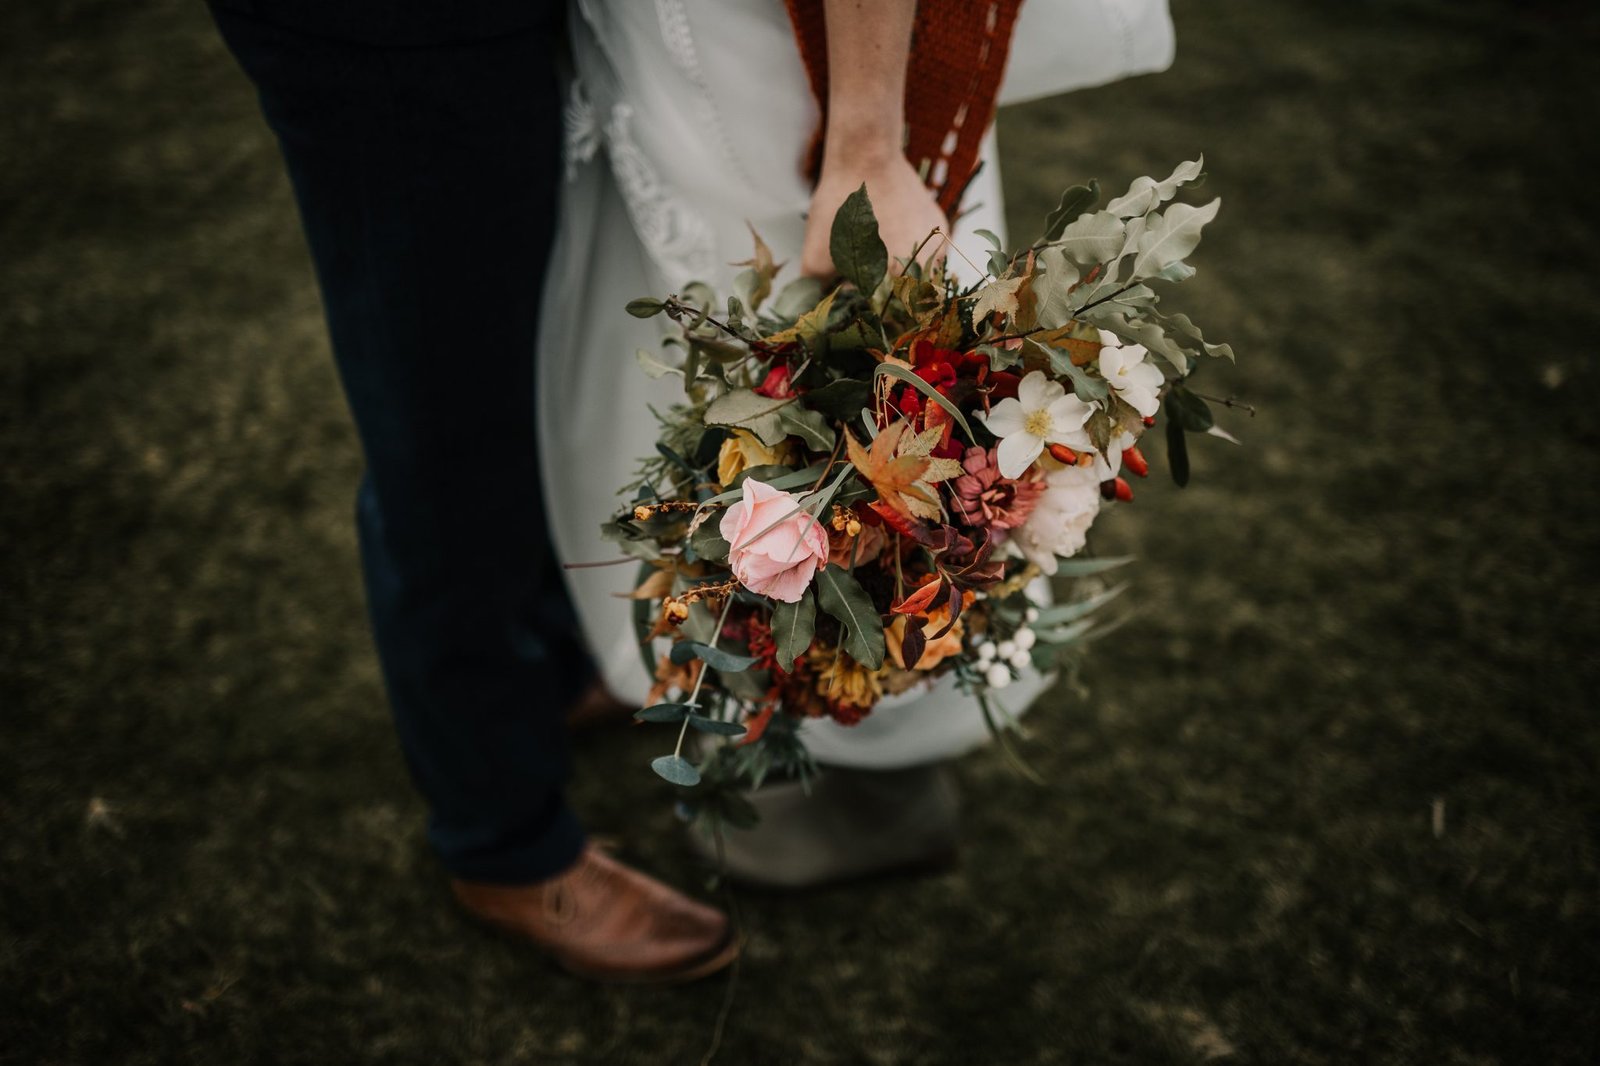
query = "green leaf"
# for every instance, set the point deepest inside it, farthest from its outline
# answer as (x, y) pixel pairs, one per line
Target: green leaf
(809, 426)
(1086, 386)
(1147, 193)
(839, 399)
(1172, 237)
(1189, 410)
(858, 251)
(842, 596)
(796, 298)
(793, 625)
(1074, 202)
(1055, 275)
(712, 725)
(749, 410)
(676, 769)
(654, 366)
(896, 371)
(708, 542)
(989, 235)
(645, 308)
(1181, 323)
(1086, 567)
(714, 657)
(1177, 452)
(1140, 331)
(663, 712)
(1071, 612)
(1095, 238)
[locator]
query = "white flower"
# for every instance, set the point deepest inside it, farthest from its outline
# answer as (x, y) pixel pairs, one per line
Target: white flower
(1041, 413)
(999, 676)
(1126, 370)
(1060, 521)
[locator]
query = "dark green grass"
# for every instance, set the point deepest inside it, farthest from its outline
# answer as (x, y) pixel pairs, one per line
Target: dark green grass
(210, 853)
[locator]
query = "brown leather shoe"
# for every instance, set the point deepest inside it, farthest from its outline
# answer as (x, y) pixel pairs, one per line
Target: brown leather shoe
(606, 922)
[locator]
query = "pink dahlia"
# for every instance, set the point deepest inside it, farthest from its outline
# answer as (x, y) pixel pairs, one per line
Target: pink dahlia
(987, 500)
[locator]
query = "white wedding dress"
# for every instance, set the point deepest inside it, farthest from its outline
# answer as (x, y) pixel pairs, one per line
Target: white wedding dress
(686, 124)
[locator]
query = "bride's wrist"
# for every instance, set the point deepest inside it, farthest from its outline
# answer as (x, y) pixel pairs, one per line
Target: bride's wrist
(854, 151)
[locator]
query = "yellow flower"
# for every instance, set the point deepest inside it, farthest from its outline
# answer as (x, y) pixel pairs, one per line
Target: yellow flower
(842, 680)
(742, 451)
(937, 651)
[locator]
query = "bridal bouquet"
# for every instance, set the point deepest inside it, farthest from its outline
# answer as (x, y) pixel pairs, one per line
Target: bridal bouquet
(861, 482)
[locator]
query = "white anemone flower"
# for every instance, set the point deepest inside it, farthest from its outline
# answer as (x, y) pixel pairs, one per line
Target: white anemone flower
(1043, 412)
(1125, 369)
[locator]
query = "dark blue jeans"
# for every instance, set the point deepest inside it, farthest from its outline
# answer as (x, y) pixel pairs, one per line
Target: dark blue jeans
(426, 176)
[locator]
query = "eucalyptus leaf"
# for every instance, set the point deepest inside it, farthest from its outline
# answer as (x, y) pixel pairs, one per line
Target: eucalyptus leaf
(663, 712)
(713, 725)
(793, 625)
(676, 769)
(842, 597)
(858, 252)
(645, 308)
(714, 657)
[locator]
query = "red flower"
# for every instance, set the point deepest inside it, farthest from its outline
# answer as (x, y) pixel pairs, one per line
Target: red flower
(776, 384)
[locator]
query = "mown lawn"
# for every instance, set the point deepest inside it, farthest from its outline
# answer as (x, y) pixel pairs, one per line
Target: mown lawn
(1331, 798)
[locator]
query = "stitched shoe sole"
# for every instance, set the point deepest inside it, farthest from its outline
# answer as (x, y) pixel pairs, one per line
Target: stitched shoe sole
(704, 965)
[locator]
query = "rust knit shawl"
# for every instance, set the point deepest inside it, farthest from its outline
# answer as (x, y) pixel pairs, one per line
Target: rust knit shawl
(958, 54)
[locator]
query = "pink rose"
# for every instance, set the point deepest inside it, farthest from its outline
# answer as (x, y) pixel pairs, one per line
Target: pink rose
(775, 547)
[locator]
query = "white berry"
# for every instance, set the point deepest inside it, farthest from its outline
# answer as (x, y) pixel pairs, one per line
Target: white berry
(1025, 638)
(1021, 661)
(999, 676)
(1031, 615)
(986, 651)
(1007, 649)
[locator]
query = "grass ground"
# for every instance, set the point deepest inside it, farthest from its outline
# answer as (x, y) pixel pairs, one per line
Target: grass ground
(1333, 797)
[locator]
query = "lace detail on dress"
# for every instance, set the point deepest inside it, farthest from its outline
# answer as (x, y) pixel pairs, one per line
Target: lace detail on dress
(678, 239)
(581, 133)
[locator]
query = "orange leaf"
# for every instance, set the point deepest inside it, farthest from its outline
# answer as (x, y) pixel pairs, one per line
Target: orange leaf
(919, 600)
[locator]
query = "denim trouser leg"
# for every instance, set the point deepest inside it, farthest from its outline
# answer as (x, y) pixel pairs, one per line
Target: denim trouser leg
(426, 179)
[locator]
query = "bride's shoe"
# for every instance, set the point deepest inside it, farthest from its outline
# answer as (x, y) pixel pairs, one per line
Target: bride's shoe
(854, 824)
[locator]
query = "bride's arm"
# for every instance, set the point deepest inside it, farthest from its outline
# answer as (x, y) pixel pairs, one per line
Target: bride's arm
(869, 42)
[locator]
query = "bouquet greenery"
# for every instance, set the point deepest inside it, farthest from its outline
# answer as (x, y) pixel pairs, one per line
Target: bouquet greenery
(862, 480)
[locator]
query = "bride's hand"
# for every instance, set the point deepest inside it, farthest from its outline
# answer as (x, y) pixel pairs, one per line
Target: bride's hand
(906, 209)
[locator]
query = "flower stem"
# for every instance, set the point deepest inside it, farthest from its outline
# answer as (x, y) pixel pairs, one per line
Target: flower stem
(700, 680)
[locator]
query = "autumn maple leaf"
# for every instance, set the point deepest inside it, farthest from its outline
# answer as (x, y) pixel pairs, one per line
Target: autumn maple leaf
(899, 467)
